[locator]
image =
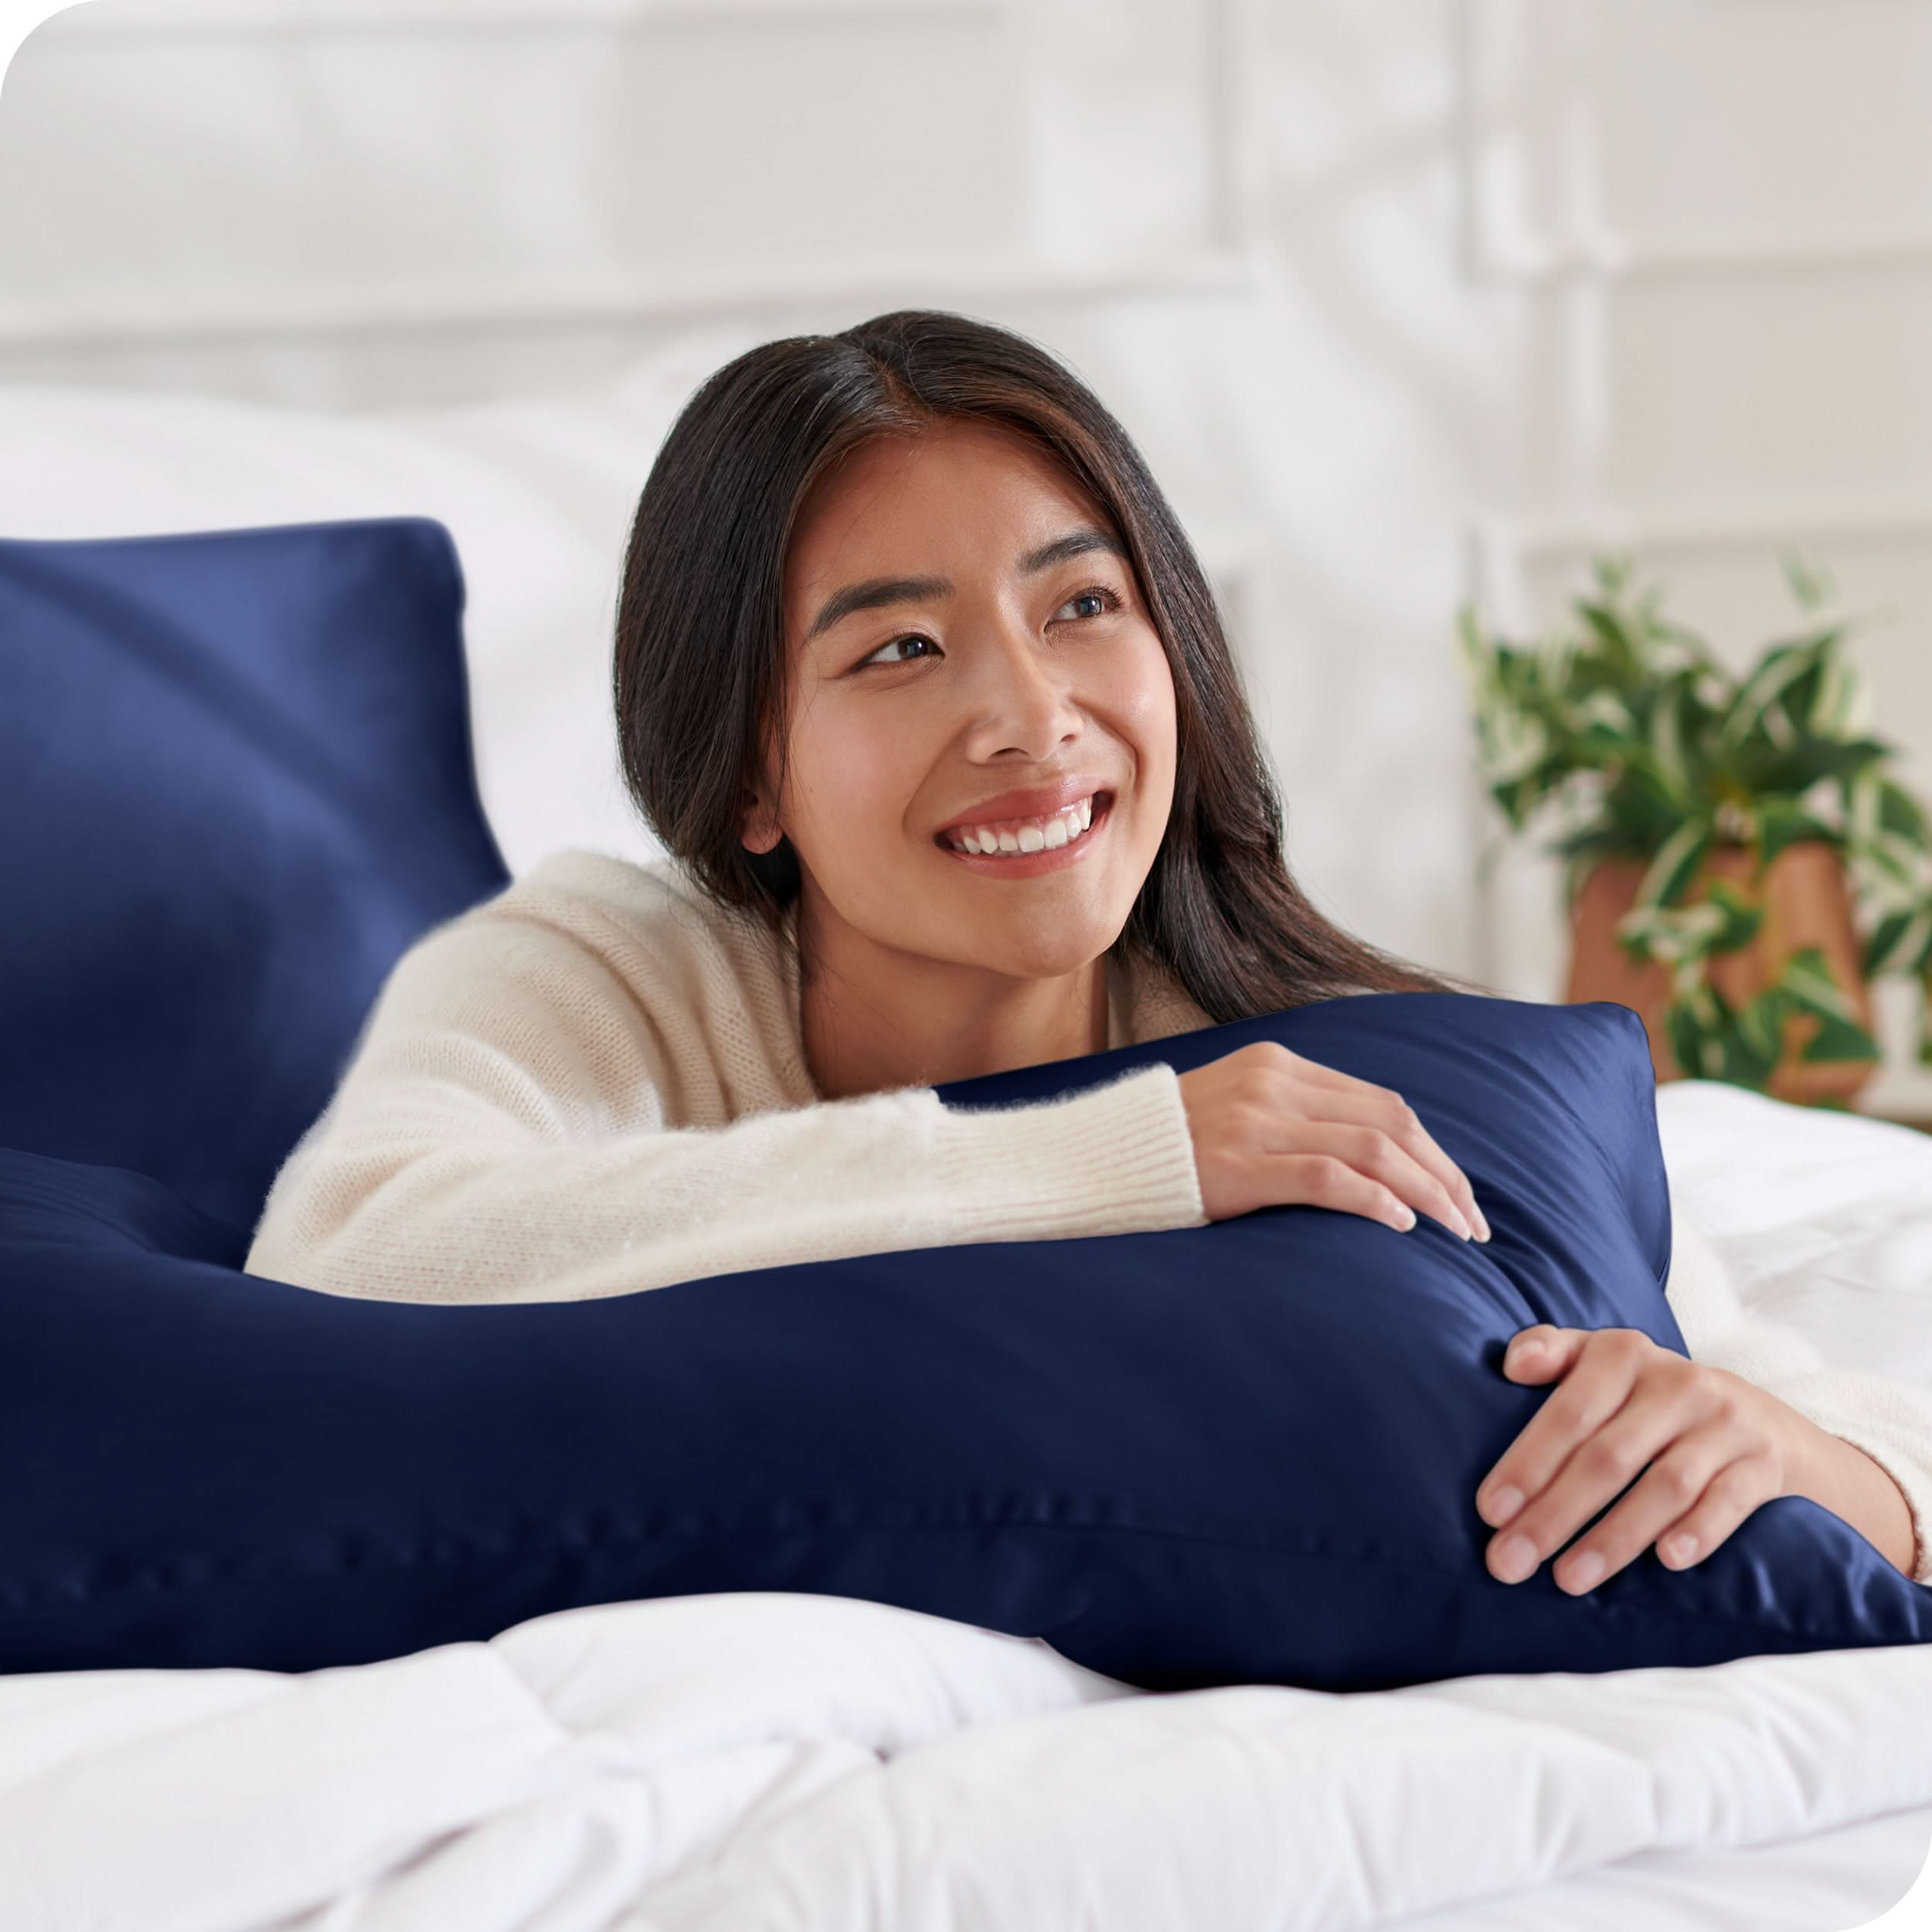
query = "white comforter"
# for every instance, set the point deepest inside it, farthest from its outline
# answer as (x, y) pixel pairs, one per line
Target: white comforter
(733, 1763)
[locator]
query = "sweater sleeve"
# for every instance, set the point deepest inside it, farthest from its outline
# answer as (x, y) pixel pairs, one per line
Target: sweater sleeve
(1891, 1421)
(499, 1136)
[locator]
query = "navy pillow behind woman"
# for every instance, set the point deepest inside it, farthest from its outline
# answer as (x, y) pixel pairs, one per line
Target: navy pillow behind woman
(1245, 1452)
(235, 774)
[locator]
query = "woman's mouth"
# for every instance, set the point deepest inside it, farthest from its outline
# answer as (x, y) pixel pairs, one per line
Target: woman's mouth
(1025, 849)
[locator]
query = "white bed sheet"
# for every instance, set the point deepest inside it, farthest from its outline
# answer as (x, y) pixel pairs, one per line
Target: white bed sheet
(741, 1763)
(764, 1763)
(1840, 1878)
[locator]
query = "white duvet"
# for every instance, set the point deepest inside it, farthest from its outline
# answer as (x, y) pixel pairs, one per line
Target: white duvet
(731, 1763)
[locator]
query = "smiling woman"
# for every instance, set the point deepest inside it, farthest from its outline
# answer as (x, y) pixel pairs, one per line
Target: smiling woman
(920, 683)
(974, 802)
(941, 590)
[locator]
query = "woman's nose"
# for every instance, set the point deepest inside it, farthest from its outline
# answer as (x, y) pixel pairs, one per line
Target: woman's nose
(1022, 682)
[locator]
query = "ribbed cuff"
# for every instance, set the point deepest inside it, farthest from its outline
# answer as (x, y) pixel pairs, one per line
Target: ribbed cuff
(1117, 1159)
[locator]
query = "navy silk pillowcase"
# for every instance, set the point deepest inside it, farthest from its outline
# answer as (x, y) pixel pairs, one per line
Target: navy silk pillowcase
(236, 776)
(1242, 1453)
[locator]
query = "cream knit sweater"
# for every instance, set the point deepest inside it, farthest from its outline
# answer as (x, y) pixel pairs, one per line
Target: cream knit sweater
(594, 1083)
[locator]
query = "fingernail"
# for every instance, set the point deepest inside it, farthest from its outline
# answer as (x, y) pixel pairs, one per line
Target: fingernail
(1584, 1572)
(1680, 1550)
(1504, 1504)
(1463, 1227)
(1515, 1559)
(1482, 1225)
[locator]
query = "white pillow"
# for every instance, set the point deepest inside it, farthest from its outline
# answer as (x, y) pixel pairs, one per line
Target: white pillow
(538, 492)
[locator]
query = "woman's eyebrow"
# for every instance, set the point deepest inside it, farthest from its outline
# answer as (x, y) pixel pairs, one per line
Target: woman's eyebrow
(875, 592)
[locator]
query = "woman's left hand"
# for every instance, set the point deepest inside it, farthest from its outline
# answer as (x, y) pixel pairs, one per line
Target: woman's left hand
(1711, 1447)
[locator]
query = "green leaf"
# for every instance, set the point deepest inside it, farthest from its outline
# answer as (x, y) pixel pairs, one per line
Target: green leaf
(1839, 701)
(1686, 1039)
(1809, 981)
(1743, 917)
(1513, 745)
(1811, 587)
(1702, 657)
(1800, 697)
(1760, 767)
(1624, 654)
(1895, 858)
(1613, 575)
(1671, 735)
(1675, 865)
(1890, 939)
(1760, 1026)
(1779, 666)
(1744, 1065)
(1642, 808)
(1838, 1040)
(1598, 841)
(1899, 813)
(1480, 659)
(1675, 934)
(1810, 987)
(1781, 824)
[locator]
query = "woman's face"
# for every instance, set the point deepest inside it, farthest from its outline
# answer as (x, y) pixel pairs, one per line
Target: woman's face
(963, 623)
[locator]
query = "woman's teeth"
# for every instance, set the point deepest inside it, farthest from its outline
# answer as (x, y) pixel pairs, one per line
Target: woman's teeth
(1033, 835)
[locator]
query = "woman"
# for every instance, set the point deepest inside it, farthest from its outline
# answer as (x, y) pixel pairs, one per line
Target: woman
(920, 684)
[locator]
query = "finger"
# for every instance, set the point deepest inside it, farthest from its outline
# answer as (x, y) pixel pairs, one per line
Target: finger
(1539, 1353)
(1371, 1152)
(1598, 1374)
(1382, 1156)
(1535, 1353)
(1731, 1495)
(1380, 1106)
(1599, 1472)
(1326, 1180)
(1666, 1494)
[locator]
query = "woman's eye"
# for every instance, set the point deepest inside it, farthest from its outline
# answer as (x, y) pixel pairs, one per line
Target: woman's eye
(1105, 598)
(876, 658)
(1097, 594)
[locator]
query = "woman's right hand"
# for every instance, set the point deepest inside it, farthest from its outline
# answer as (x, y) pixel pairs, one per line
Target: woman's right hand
(1271, 1129)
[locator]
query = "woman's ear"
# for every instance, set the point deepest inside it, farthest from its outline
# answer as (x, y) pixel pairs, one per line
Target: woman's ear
(757, 832)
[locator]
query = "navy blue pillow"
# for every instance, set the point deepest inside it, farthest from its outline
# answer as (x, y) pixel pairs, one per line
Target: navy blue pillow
(236, 776)
(1242, 1453)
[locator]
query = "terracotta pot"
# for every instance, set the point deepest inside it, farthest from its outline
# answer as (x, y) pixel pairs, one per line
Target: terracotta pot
(1806, 903)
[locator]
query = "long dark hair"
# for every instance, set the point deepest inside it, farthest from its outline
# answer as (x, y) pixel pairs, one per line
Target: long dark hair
(702, 676)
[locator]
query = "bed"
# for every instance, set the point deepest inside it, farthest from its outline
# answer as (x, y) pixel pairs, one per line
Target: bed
(763, 1761)
(754, 1759)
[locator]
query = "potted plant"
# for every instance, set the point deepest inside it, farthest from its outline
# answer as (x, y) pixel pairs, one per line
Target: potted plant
(1739, 866)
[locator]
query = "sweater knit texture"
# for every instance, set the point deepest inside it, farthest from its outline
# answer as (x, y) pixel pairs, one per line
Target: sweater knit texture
(594, 1083)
